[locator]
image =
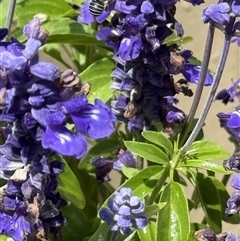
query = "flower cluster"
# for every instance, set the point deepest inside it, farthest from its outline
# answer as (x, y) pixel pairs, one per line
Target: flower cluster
(37, 102)
(233, 203)
(145, 65)
(124, 212)
(231, 120)
(104, 166)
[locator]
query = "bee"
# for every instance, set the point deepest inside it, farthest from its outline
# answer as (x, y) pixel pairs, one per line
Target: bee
(96, 7)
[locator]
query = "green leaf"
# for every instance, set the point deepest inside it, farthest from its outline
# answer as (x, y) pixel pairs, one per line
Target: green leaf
(53, 9)
(207, 150)
(147, 151)
(98, 75)
(153, 209)
(79, 226)
(224, 196)
(173, 220)
(204, 165)
(129, 172)
(76, 2)
(149, 233)
(67, 31)
(4, 11)
(159, 139)
(101, 233)
(174, 39)
(69, 187)
(4, 237)
(102, 148)
(210, 200)
(144, 181)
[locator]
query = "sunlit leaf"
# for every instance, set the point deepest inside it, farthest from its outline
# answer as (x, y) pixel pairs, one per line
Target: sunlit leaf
(4, 237)
(147, 151)
(174, 39)
(211, 166)
(149, 233)
(98, 75)
(173, 220)
(207, 150)
(67, 31)
(27, 9)
(159, 139)
(129, 172)
(153, 209)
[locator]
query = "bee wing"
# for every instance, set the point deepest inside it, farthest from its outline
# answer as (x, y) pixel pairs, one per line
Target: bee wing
(48, 210)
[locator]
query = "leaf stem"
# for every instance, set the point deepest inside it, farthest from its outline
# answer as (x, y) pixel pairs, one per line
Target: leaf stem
(211, 94)
(11, 10)
(114, 236)
(159, 185)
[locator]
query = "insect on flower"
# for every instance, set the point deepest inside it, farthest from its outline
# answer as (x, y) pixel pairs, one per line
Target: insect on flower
(96, 7)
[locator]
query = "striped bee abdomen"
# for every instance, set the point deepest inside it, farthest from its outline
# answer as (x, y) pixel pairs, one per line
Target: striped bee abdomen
(96, 7)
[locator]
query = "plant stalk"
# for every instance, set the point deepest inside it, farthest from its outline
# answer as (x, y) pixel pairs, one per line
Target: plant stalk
(114, 236)
(159, 185)
(203, 73)
(11, 10)
(211, 94)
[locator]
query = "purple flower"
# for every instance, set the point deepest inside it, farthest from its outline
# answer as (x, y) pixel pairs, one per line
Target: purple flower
(218, 13)
(37, 103)
(192, 74)
(15, 226)
(236, 39)
(228, 94)
(144, 64)
(235, 183)
(232, 122)
(231, 237)
(233, 204)
(103, 167)
(127, 159)
(233, 163)
(125, 212)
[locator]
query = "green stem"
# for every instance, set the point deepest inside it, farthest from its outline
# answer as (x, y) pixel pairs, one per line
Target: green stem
(11, 10)
(89, 55)
(225, 179)
(159, 185)
(204, 69)
(114, 236)
(211, 94)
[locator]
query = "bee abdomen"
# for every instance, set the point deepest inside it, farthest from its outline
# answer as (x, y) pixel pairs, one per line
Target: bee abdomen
(96, 8)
